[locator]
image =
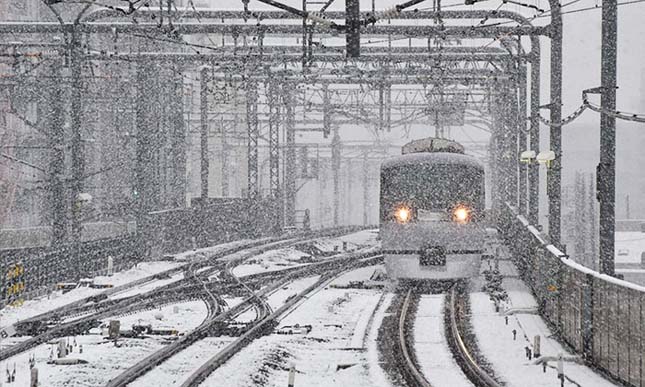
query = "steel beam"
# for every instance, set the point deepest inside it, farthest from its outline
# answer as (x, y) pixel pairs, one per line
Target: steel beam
(191, 28)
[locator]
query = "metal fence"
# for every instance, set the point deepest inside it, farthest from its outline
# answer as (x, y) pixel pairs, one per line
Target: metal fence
(168, 231)
(44, 267)
(600, 317)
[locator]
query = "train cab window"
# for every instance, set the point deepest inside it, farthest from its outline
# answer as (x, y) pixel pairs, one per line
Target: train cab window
(433, 186)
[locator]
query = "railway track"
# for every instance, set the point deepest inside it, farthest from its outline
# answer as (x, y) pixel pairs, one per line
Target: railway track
(406, 357)
(178, 291)
(264, 322)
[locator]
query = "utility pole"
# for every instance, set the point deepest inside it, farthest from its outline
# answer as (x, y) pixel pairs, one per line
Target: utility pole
(290, 157)
(335, 167)
(77, 153)
(56, 139)
(252, 134)
(203, 109)
(607, 168)
(353, 28)
(365, 189)
(534, 131)
(225, 166)
(554, 174)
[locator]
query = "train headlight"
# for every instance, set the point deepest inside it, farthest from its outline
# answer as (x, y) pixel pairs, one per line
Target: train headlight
(403, 214)
(461, 214)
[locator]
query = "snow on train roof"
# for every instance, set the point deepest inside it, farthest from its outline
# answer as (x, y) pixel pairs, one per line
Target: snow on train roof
(432, 158)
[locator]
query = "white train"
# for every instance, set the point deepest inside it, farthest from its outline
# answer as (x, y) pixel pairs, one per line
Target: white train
(431, 211)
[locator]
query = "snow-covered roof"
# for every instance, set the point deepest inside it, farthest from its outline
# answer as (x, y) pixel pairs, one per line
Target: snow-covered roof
(432, 158)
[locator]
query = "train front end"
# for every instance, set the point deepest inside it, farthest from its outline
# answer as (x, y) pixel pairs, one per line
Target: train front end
(431, 210)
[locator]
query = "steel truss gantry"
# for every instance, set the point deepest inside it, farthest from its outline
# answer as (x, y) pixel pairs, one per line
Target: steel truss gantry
(327, 66)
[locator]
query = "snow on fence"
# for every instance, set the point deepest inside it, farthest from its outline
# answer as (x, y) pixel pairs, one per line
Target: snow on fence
(44, 267)
(600, 317)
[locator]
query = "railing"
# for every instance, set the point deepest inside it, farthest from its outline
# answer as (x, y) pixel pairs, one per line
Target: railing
(600, 317)
(44, 267)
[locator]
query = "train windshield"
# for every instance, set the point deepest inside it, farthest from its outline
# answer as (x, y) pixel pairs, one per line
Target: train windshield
(433, 186)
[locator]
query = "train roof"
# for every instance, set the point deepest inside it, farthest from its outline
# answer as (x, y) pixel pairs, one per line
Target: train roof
(432, 158)
(432, 144)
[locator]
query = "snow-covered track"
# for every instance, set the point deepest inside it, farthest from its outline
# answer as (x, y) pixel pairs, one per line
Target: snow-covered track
(255, 298)
(269, 322)
(409, 369)
(469, 365)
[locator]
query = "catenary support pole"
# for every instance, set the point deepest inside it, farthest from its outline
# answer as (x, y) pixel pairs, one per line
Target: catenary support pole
(203, 118)
(607, 169)
(335, 167)
(252, 134)
(54, 114)
(290, 157)
(534, 131)
(77, 151)
(554, 175)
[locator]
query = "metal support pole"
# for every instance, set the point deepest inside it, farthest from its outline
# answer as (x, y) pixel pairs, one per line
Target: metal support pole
(512, 157)
(77, 152)
(534, 131)
(290, 157)
(335, 166)
(203, 109)
(274, 153)
(225, 166)
(522, 137)
(366, 193)
(326, 112)
(607, 168)
(353, 27)
(554, 174)
(348, 196)
(54, 113)
(274, 145)
(252, 124)
(146, 190)
(177, 142)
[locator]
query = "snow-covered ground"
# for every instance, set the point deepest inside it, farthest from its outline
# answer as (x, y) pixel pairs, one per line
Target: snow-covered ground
(280, 296)
(507, 356)
(272, 260)
(104, 359)
(147, 287)
(433, 353)
(57, 299)
(175, 370)
(343, 335)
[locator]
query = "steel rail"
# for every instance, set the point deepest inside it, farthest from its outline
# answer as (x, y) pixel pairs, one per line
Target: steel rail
(256, 298)
(475, 373)
(267, 323)
(410, 368)
(79, 325)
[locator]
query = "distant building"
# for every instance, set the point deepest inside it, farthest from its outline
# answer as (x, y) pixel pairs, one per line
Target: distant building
(21, 10)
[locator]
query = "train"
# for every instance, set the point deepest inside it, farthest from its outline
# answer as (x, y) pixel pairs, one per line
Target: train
(432, 203)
